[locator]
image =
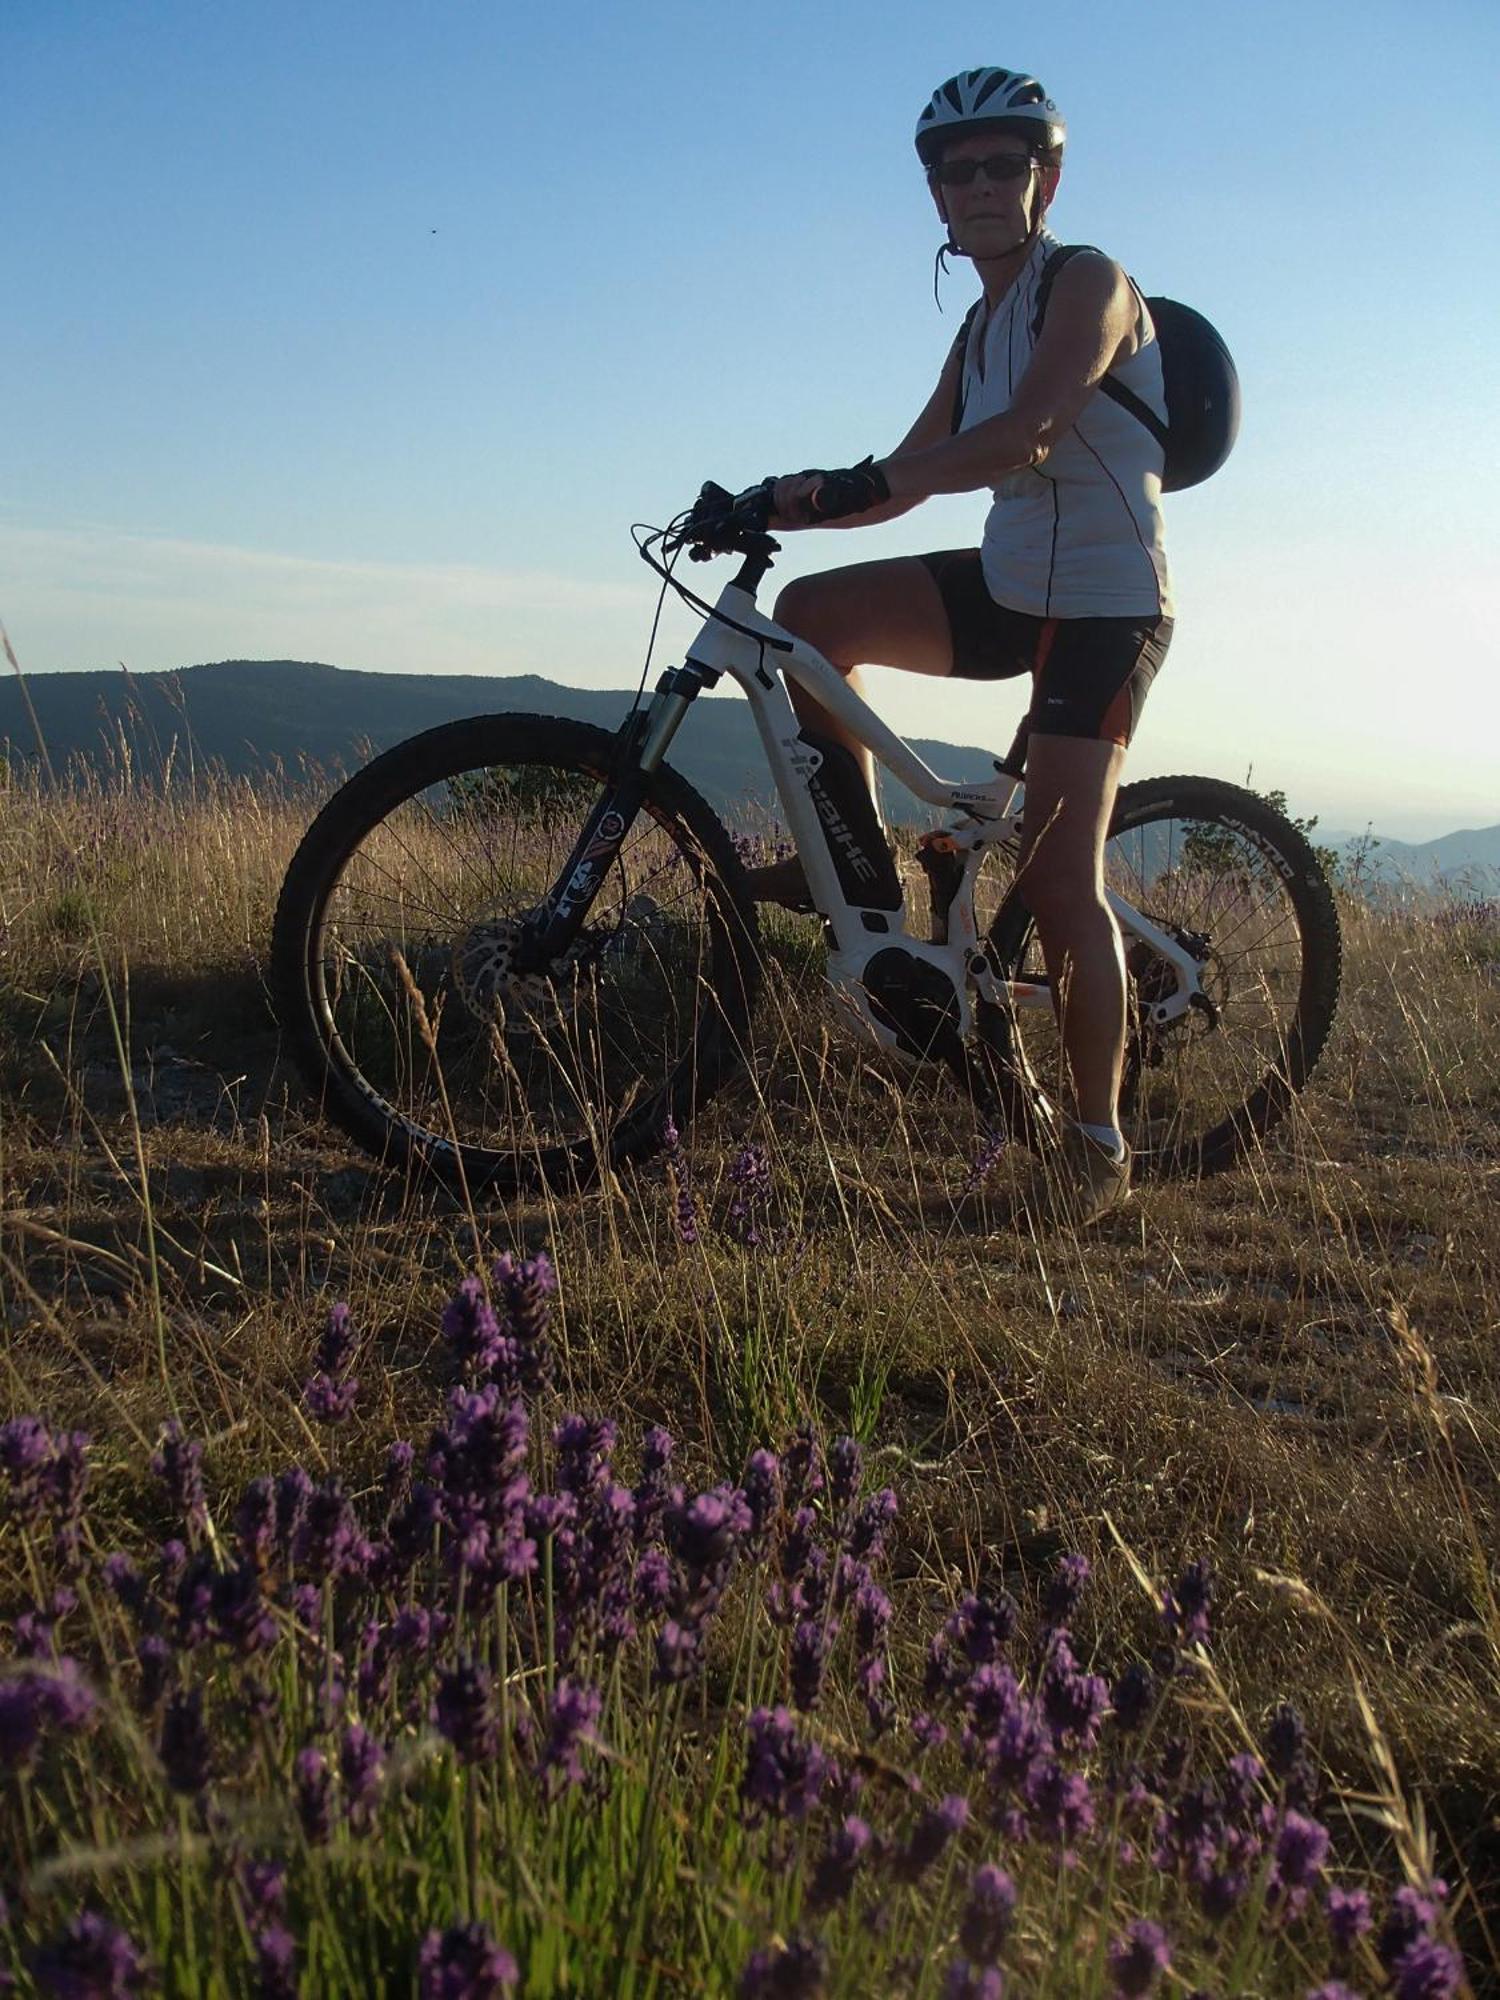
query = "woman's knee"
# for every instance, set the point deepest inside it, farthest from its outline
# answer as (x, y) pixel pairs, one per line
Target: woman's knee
(1061, 890)
(807, 606)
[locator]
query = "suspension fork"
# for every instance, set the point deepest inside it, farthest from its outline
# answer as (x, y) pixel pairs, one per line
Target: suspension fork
(643, 744)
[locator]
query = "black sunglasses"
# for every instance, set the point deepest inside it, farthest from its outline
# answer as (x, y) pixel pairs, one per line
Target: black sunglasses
(994, 167)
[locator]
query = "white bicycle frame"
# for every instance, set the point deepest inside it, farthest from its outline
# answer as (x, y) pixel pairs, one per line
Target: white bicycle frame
(757, 657)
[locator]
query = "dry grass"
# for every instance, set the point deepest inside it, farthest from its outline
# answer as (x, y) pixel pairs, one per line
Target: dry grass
(1292, 1368)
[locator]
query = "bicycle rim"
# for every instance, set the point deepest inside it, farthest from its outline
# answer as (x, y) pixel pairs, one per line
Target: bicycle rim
(445, 1044)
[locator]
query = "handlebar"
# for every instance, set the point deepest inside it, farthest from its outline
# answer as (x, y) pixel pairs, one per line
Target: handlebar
(724, 523)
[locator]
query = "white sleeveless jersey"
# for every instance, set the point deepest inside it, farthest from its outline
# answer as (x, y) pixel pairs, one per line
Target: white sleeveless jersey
(1079, 536)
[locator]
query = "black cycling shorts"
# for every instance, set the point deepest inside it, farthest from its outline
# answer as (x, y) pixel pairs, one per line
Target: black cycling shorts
(1090, 676)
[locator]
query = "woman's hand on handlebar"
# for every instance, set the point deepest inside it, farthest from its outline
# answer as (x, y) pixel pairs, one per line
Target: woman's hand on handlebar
(808, 499)
(791, 500)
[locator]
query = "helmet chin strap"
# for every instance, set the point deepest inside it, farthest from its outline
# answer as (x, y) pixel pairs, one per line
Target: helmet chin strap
(952, 249)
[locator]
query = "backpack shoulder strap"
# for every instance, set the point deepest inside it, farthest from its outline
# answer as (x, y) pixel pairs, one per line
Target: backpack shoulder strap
(959, 347)
(1142, 412)
(1108, 386)
(1050, 270)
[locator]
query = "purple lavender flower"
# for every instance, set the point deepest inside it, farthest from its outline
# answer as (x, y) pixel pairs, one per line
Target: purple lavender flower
(836, 1867)
(680, 1176)
(873, 1612)
(750, 1177)
(155, 1658)
(470, 1327)
(66, 1480)
(1133, 1696)
(21, 1721)
(178, 1464)
(330, 1398)
(761, 1490)
(124, 1582)
(465, 1713)
(801, 1469)
(255, 1522)
(361, 1767)
(1348, 1915)
(845, 1466)
(798, 1544)
(1411, 1915)
(464, 1963)
(193, 1600)
(26, 1458)
(522, 1364)
(704, 1534)
(1243, 1776)
(335, 1349)
(654, 1489)
(293, 1488)
(396, 1478)
(1185, 1605)
(263, 1889)
(986, 1920)
(677, 1652)
(1427, 1970)
(977, 1631)
(92, 1960)
(66, 1700)
(327, 1541)
(1065, 1587)
(242, 1616)
(784, 1771)
(987, 1156)
(1301, 1849)
(276, 1964)
(33, 1701)
(571, 1720)
(930, 1837)
(796, 1970)
(872, 1524)
(1138, 1960)
(312, 1783)
(184, 1745)
(811, 1644)
(927, 1732)
(1074, 1703)
(652, 1582)
(1221, 1891)
(1061, 1801)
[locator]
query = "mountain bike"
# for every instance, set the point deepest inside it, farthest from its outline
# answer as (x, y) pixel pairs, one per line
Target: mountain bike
(510, 949)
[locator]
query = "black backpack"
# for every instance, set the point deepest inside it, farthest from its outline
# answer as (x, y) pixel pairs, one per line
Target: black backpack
(1198, 375)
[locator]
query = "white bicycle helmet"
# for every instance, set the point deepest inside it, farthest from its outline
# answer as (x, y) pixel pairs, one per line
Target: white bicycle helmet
(989, 100)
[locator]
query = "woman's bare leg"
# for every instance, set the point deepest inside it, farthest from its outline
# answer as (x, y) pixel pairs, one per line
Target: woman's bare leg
(884, 614)
(1070, 795)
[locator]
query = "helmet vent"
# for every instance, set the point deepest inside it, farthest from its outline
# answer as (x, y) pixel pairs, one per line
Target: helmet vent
(950, 91)
(998, 79)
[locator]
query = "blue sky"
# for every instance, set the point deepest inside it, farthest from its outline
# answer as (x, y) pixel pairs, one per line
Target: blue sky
(363, 332)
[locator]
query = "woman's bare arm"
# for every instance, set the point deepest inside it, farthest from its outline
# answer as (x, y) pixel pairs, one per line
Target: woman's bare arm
(1090, 318)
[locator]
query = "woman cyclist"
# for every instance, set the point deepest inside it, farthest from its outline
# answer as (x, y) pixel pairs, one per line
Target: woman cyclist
(1070, 584)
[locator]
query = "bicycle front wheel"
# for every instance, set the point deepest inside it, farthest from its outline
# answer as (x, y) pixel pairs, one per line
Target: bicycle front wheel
(1233, 882)
(398, 982)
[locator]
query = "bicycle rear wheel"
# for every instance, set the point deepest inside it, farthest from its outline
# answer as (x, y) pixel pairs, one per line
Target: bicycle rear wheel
(1233, 881)
(394, 959)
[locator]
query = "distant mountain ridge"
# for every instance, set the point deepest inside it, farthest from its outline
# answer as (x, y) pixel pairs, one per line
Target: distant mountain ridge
(255, 716)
